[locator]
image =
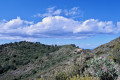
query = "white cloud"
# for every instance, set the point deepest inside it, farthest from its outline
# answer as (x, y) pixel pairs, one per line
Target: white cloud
(14, 23)
(74, 12)
(49, 12)
(55, 27)
(96, 26)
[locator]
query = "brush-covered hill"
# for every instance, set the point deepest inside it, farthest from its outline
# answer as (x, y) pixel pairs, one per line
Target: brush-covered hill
(27, 60)
(111, 49)
(13, 56)
(34, 61)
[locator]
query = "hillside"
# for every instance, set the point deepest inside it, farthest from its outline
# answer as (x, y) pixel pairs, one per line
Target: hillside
(111, 49)
(27, 60)
(13, 56)
(31, 61)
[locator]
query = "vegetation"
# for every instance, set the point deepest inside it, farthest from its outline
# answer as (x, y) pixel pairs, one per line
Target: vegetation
(61, 76)
(35, 61)
(103, 68)
(15, 55)
(86, 77)
(31, 57)
(116, 53)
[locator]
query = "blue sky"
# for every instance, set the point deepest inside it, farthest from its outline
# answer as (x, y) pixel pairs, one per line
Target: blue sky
(86, 23)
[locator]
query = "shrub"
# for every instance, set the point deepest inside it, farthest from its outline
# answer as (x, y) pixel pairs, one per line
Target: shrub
(6, 68)
(13, 67)
(34, 71)
(61, 76)
(103, 68)
(99, 52)
(86, 77)
(116, 53)
(40, 79)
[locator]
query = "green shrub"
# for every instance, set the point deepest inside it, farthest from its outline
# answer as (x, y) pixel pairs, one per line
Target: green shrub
(86, 77)
(116, 53)
(34, 71)
(61, 76)
(103, 68)
(99, 52)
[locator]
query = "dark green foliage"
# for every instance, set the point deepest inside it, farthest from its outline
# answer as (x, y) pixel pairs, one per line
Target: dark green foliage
(13, 67)
(108, 76)
(4, 68)
(7, 67)
(26, 59)
(61, 76)
(116, 53)
(14, 55)
(34, 71)
(99, 52)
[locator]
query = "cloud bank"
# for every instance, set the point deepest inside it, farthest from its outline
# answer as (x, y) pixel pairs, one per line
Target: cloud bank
(55, 27)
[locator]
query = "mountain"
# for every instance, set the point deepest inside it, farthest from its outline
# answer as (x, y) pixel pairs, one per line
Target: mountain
(27, 60)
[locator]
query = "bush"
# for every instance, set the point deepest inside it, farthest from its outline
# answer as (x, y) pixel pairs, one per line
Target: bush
(103, 68)
(99, 52)
(13, 67)
(34, 71)
(86, 77)
(116, 53)
(6, 68)
(61, 76)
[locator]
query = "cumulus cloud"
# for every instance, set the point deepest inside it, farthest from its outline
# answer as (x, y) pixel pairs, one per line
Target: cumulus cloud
(55, 27)
(14, 23)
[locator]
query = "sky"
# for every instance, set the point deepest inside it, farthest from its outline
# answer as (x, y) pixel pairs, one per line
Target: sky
(86, 23)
